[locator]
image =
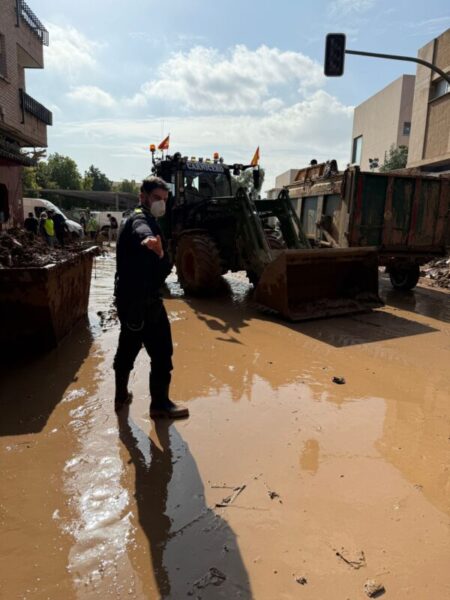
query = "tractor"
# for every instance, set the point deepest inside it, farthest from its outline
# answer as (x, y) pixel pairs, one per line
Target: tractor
(214, 226)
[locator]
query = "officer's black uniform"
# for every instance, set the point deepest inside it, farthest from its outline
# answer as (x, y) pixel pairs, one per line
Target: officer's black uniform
(140, 274)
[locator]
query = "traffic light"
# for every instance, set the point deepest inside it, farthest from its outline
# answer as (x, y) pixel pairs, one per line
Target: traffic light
(334, 54)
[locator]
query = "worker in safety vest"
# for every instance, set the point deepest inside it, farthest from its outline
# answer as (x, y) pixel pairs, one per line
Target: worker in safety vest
(92, 227)
(142, 267)
(47, 228)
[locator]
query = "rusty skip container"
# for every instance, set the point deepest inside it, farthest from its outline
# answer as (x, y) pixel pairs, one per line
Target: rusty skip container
(399, 213)
(40, 305)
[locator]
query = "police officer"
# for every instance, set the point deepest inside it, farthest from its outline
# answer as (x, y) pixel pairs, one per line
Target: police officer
(142, 267)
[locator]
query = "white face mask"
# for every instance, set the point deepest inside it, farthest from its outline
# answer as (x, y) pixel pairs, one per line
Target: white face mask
(158, 208)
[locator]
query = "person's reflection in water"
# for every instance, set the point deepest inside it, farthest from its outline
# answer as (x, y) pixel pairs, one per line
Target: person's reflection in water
(153, 474)
(195, 543)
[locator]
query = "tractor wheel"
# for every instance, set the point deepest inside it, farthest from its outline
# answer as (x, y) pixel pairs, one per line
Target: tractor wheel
(404, 278)
(198, 264)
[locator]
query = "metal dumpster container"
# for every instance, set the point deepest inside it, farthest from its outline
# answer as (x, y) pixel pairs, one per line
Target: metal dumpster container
(40, 305)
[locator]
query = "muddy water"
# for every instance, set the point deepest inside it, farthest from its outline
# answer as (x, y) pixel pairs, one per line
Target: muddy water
(278, 474)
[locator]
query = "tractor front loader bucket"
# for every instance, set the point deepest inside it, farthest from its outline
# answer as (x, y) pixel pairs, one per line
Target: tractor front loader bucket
(308, 284)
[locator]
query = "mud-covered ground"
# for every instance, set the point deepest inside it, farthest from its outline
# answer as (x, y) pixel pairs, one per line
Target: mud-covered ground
(282, 484)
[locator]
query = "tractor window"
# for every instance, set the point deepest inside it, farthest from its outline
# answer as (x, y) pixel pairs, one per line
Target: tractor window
(191, 183)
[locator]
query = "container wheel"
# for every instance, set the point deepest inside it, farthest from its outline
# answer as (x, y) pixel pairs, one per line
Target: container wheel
(198, 264)
(404, 278)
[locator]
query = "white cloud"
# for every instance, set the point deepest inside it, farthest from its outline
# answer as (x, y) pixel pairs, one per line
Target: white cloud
(92, 95)
(70, 53)
(431, 27)
(203, 79)
(316, 127)
(349, 7)
(272, 105)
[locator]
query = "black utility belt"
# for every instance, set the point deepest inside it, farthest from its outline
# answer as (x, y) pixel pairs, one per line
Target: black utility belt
(140, 312)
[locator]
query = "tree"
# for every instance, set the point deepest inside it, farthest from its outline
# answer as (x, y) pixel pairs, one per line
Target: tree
(396, 159)
(63, 171)
(29, 183)
(87, 182)
(36, 178)
(100, 183)
(128, 186)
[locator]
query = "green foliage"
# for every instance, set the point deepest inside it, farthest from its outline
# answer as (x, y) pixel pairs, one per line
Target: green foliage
(128, 186)
(87, 182)
(100, 183)
(396, 159)
(63, 172)
(29, 184)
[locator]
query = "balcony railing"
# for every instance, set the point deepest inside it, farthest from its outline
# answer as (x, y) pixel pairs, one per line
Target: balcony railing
(25, 12)
(35, 108)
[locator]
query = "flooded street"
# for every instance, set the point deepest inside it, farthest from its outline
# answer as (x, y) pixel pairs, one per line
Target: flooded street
(282, 484)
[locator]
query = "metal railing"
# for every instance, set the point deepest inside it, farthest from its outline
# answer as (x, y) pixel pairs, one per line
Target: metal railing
(35, 108)
(25, 12)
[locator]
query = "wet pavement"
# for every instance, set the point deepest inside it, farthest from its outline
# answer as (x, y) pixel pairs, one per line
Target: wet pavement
(281, 485)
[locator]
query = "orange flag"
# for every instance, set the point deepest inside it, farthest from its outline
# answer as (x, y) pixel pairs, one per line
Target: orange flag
(255, 159)
(164, 145)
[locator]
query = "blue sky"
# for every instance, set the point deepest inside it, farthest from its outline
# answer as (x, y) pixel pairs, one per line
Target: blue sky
(221, 77)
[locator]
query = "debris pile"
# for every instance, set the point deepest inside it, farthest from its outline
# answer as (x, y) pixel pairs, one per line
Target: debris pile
(20, 248)
(437, 272)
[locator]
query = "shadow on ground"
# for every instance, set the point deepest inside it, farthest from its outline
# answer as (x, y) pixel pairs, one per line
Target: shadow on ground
(424, 301)
(31, 389)
(193, 551)
(232, 312)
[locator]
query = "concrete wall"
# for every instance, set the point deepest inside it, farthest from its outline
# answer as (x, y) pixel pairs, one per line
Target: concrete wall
(430, 129)
(285, 178)
(379, 120)
(23, 50)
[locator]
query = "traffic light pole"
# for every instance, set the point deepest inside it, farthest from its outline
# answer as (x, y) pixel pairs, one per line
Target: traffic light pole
(407, 58)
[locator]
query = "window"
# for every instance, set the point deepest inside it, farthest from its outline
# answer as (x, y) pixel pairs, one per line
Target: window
(3, 69)
(357, 149)
(406, 128)
(439, 88)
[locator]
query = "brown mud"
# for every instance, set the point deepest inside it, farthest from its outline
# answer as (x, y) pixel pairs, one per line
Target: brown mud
(20, 248)
(281, 485)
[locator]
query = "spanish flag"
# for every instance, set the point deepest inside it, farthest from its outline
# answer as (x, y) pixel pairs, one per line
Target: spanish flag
(164, 145)
(255, 159)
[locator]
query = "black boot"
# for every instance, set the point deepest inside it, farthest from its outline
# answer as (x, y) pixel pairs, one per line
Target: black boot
(161, 407)
(123, 396)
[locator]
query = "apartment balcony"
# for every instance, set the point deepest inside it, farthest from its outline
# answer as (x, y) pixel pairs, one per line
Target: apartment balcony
(35, 108)
(32, 36)
(35, 118)
(26, 15)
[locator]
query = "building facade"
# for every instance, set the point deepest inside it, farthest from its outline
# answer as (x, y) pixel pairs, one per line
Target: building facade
(23, 120)
(382, 121)
(429, 147)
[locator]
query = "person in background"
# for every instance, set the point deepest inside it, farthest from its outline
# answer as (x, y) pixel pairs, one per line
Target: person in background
(31, 224)
(60, 227)
(92, 227)
(83, 222)
(113, 226)
(47, 228)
